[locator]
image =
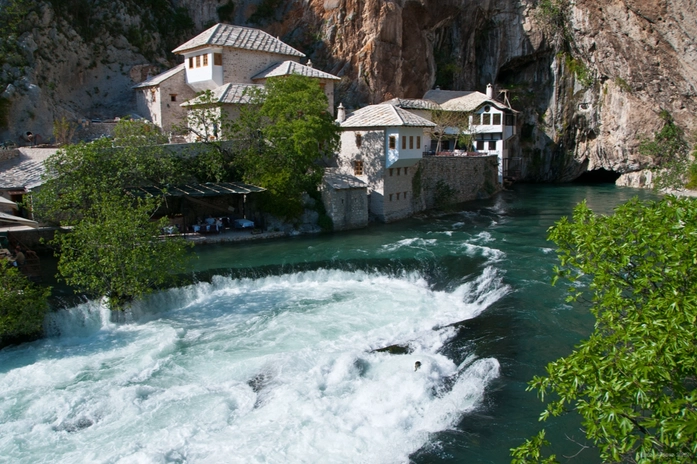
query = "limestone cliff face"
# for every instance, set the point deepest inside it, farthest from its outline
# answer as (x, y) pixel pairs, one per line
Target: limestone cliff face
(585, 109)
(585, 104)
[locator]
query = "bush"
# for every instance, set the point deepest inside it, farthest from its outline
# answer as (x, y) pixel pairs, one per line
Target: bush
(23, 304)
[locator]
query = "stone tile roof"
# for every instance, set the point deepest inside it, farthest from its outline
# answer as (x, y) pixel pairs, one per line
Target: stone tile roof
(160, 78)
(413, 103)
(384, 115)
(291, 67)
(343, 181)
(247, 38)
(468, 100)
(228, 93)
(25, 170)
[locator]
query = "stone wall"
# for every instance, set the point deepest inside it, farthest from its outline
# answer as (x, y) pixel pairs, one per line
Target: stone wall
(348, 208)
(443, 180)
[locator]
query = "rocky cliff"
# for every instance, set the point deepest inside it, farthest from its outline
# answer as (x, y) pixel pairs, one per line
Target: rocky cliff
(589, 77)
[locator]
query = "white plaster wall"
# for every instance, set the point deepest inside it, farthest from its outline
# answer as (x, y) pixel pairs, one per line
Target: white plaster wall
(399, 156)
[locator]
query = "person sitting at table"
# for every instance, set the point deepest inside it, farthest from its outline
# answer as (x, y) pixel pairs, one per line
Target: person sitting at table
(20, 259)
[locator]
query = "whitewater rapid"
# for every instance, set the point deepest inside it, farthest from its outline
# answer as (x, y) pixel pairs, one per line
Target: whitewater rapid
(276, 369)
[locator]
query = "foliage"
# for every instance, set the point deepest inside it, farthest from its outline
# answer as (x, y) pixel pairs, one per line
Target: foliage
(623, 85)
(669, 152)
(114, 251)
(77, 174)
(226, 12)
(453, 121)
(553, 18)
(23, 304)
(634, 380)
(443, 195)
(579, 69)
(63, 130)
(265, 11)
(281, 136)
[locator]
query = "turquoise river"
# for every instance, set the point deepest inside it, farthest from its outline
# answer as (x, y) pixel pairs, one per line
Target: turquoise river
(271, 357)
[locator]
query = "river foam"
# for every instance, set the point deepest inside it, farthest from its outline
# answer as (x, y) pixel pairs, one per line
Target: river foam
(276, 369)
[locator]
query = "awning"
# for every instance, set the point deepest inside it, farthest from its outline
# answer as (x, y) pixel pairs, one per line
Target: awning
(197, 190)
(5, 202)
(18, 220)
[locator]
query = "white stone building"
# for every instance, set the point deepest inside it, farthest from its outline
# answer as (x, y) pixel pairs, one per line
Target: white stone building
(381, 145)
(492, 123)
(226, 60)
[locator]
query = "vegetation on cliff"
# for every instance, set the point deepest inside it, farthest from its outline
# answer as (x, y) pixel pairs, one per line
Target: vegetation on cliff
(634, 380)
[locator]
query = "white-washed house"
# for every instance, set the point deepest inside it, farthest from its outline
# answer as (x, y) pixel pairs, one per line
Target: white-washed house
(226, 60)
(492, 122)
(382, 145)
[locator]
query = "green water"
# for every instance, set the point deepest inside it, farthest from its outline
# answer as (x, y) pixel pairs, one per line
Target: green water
(271, 355)
(529, 327)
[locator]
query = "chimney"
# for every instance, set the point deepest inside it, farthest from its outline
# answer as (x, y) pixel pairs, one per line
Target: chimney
(309, 63)
(489, 91)
(340, 113)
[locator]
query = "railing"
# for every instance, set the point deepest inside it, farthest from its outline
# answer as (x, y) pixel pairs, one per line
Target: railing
(459, 153)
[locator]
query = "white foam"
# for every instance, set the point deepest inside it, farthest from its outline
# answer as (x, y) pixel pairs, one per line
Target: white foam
(277, 369)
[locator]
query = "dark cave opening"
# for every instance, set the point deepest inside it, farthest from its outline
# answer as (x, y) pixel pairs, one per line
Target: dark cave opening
(598, 176)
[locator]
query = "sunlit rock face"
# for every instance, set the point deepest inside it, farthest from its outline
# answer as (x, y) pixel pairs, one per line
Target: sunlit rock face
(583, 110)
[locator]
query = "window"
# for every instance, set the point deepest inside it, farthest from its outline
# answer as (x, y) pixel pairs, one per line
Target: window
(510, 120)
(390, 197)
(405, 195)
(397, 195)
(476, 119)
(205, 59)
(398, 169)
(487, 108)
(359, 140)
(497, 119)
(405, 171)
(393, 142)
(390, 172)
(191, 62)
(198, 61)
(480, 144)
(411, 142)
(486, 119)
(173, 97)
(358, 168)
(404, 142)
(492, 144)
(218, 59)
(418, 142)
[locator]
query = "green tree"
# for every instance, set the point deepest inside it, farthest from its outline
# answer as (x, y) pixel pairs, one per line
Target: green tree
(23, 304)
(453, 124)
(670, 154)
(113, 248)
(634, 380)
(282, 136)
(115, 252)
(77, 174)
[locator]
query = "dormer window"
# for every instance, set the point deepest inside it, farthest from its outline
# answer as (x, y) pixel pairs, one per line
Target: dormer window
(487, 108)
(497, 119)
(486, 119)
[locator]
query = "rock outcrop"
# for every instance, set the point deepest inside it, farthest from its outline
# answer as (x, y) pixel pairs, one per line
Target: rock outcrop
(589, 78)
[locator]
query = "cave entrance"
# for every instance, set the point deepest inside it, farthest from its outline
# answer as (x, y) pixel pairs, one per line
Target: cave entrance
(598, 176)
